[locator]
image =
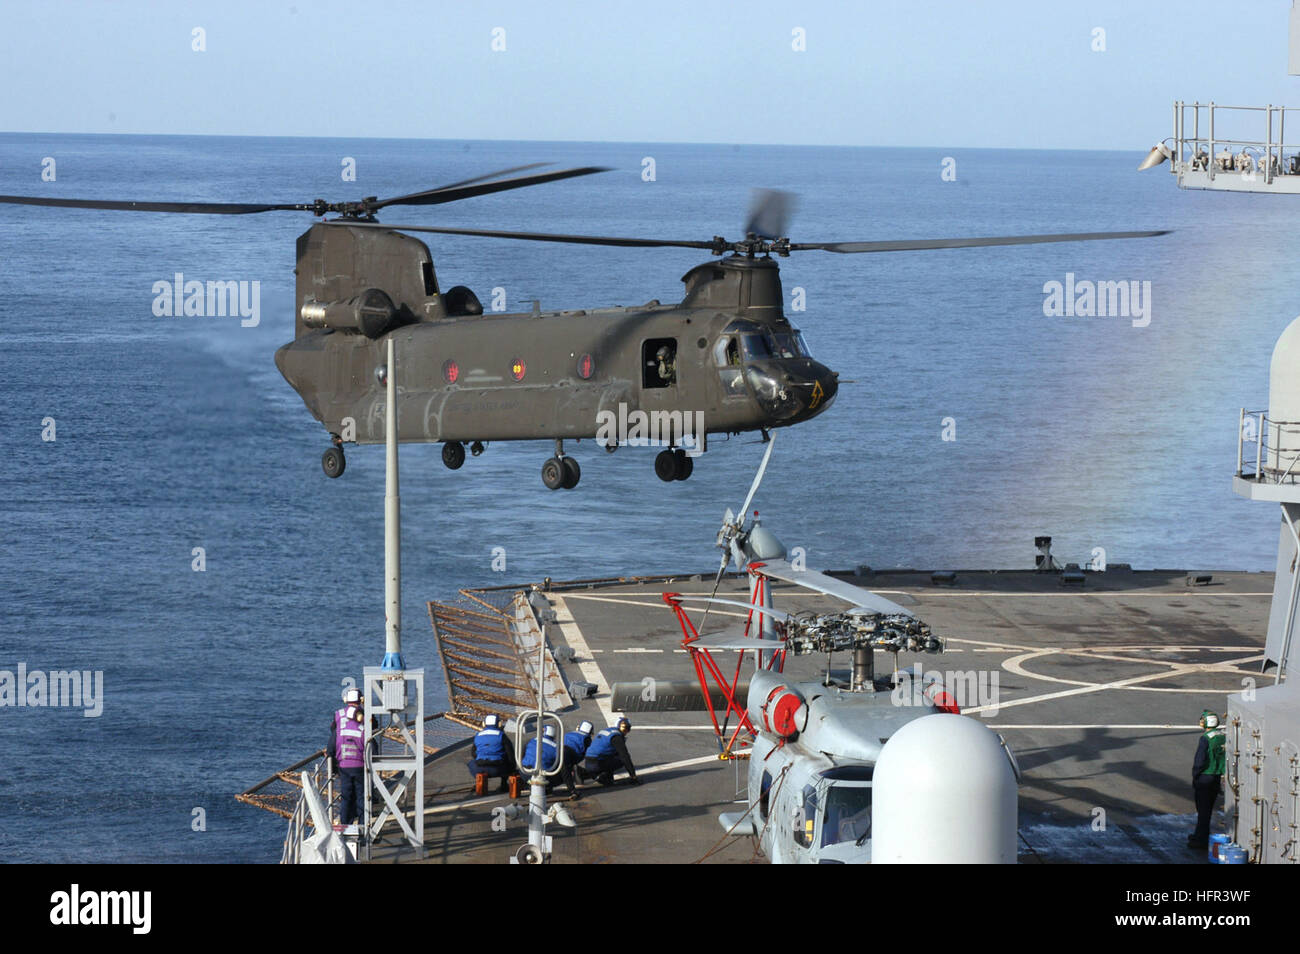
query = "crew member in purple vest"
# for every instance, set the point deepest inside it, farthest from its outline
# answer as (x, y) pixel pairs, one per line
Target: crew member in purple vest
(347, 749)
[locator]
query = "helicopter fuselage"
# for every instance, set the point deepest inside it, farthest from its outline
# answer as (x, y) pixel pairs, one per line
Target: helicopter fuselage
(812, 790)
(725, 360)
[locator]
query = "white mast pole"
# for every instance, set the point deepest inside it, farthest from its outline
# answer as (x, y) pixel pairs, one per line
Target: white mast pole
(392, 529)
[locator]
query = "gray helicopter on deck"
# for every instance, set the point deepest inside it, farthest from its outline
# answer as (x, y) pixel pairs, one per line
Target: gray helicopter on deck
(724, 360)
(814, 745)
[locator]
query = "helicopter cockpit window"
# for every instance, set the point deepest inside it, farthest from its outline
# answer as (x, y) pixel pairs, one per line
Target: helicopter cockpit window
(848, 815)
(726, 353)
(805, 819)
(659, 363)
(787, 345)
(765, 788)
(757, 346)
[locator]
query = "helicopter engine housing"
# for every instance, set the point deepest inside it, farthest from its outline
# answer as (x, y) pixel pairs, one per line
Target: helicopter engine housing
(371, 313)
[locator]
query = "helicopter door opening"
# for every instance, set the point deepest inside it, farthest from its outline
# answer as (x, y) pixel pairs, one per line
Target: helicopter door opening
(726, 356)
(659, 363)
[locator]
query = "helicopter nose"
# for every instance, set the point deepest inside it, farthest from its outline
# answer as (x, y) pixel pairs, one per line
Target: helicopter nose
(824, 384)
(830, 384)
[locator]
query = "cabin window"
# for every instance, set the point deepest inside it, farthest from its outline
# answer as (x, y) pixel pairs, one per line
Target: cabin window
(733, 382)
(430, 283)
(764, 788)
(848, 815)
(659, 363)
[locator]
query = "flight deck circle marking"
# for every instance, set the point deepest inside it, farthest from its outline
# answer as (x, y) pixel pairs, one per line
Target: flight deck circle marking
(1014, 665)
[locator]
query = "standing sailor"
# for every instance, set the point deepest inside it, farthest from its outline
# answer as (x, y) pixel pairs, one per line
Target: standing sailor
(1207, 770)
(347, 749)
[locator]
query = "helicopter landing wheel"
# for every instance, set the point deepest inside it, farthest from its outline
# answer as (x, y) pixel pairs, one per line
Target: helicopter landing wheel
(685, 464)
(333, 462)
(453, 454)
(554, 473)
(666, 466)
(572, 473)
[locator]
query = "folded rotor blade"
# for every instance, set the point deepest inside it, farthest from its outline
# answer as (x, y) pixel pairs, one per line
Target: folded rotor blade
(758, 477)
(821, 583)
(722, 568)
(722, 601)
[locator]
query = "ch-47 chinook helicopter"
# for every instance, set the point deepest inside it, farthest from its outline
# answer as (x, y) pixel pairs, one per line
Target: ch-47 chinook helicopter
(724, 360)
(813, 745)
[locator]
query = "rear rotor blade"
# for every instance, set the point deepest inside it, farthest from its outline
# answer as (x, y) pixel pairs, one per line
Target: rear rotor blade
(907, 245)
(769, 213)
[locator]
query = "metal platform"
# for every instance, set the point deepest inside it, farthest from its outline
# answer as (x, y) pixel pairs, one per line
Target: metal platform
(1234, 148)
(1096, 689)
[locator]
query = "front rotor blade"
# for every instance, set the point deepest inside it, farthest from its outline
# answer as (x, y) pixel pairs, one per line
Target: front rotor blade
(493, 175)
(533, 236)
(907, 245)
(455, 193)
(201, 208)
(758, 478)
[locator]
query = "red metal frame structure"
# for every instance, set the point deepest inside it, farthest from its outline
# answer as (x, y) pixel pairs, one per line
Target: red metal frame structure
(706, 668)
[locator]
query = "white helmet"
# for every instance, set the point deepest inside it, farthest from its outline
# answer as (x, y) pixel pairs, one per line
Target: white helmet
(491, 721)
(585, 727)
(549, 732)
(1211, 720)
(352, 696)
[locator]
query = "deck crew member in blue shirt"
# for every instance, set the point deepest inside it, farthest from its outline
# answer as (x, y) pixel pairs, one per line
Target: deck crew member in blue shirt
(608, 754)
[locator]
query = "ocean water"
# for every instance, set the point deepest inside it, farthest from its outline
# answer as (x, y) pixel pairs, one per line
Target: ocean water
(176, 433)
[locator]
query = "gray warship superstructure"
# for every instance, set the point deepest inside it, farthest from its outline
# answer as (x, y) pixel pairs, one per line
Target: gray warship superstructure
(1207, 151)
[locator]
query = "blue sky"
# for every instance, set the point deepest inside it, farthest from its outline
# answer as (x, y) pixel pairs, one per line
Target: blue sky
(1000, 74)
